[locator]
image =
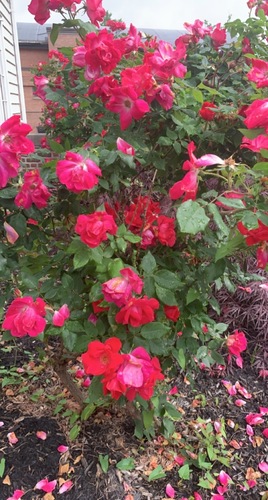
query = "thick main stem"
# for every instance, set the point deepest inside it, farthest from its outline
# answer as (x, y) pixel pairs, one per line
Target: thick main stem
(68, 382)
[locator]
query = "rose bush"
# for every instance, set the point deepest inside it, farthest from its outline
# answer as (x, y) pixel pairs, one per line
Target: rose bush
(112, 241)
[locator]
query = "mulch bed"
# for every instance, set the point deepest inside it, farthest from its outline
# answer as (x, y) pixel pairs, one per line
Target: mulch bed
(110, 432)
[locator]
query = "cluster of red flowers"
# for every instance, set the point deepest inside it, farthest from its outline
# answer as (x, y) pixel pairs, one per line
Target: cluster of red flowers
(41, 9)
(143, 217)
(138, 86)
(130, 374)
(188, 186)
(33, 191)
(259, 4)
(13, 143)
(255, 237)
(197, 31)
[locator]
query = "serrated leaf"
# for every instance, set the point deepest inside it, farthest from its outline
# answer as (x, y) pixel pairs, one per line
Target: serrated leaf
(54, 33)
(157, 473)
(261, 167)
(87, 411)
(230, 247)
(191, 217)
(74, 432)
(147, 417)
(148, 263)
(165, 295)
(167, 279)
(81, 258)
(154, 330)
(213, 209)
(231, 202)
(184, 472)
(180, 357)
(126, 464)
(172, 412)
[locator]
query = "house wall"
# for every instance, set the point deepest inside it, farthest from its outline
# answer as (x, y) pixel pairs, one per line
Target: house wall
(11, 94)
(30, 56)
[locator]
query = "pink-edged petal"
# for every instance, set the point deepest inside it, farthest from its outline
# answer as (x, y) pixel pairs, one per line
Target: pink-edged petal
(172, 391)
(265, 432)
(12, 438)
(250, 430)
(62, 448)
(46, 485)
(215, 496)
(11, 233)
(230, 388)
(86, 383)
(208, 160)
(224, 478)
(41, 435)
(17, 495)
(263, 466)
(1, 424)
(263, 410)
(66, 487)
(217, 426)
(197, 496)
(254, 419)
(251, 483)
(170, 492)
(240, 402)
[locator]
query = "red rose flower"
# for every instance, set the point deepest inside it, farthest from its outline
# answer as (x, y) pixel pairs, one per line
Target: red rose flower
(102, 357)
(166, 230)
(172, 312)
(137, 312)
(25, 317)
(206, 113)
(93, 228)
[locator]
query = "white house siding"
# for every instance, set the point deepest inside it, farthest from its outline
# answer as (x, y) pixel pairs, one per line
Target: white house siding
(11, 93)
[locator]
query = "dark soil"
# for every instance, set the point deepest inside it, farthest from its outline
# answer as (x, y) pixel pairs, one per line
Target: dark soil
(110, 432)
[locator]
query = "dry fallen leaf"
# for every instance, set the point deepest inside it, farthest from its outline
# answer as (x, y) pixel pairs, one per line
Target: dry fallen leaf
(7, 481)
(78, 459)
(48, 496)
(257, 441)
(64, 468)
(252, 474)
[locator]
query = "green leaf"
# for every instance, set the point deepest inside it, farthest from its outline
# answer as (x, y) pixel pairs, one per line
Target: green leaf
(154, 330)
(132, 238)
(158, 473)
(166, 296)
(172, 412)
(184, 472)
(69, 339)
(54, 33)
(250, 220)
(126, 464)
(232, 202)
(198, 96)
(167, 279)
(81, 258)
(19, 223)
(192, 294)
(261, 167)
(87, 411)
(74, 432)
(148, 263)
(147, 417)
(8, 193)
(264, 153)
(180, 357)
(164, 141)
(2, 466)
(213, 209)
(230, 247)
(251, 134)
(191, 217)
(104, 462)
(55, 146)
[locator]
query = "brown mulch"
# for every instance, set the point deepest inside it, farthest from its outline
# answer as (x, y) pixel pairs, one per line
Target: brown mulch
(111, 432)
